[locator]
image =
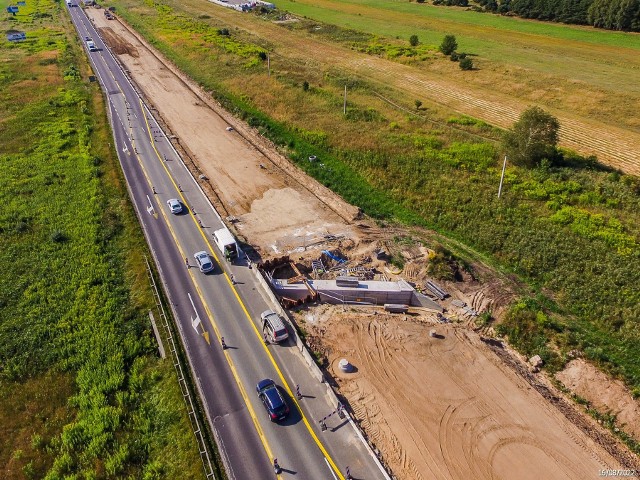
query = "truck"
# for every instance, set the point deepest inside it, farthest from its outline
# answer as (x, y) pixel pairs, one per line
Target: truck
(227, 244)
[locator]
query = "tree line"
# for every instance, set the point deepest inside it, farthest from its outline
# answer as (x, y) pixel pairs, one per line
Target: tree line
(609, 14)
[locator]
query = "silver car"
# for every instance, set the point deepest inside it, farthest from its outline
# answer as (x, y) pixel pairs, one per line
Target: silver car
(174, 205)
(204, 261)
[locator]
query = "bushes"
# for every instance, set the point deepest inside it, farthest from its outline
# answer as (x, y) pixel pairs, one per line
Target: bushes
(452, 3)
(466, 64)
(529, 329)
(533, 138)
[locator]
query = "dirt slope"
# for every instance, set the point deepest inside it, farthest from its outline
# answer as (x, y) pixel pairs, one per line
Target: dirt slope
(267, 201)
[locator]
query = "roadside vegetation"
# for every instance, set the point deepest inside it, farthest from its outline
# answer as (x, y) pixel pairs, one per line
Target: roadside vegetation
(82, 392)
(569, 229)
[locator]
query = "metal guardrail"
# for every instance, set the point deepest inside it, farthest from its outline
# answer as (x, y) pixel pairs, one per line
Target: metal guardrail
(195, 424)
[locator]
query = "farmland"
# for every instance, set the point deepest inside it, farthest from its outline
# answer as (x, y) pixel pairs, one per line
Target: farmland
(595, 58)
(82, 391)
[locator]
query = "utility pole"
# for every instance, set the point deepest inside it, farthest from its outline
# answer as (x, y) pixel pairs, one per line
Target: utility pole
(344, 108)
(504, 166)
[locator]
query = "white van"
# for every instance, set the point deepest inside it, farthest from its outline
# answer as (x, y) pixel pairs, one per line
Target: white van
(226, 243)
(91, 46)
(273, 326)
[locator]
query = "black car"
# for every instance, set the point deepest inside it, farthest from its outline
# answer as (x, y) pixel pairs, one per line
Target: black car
(272, 400)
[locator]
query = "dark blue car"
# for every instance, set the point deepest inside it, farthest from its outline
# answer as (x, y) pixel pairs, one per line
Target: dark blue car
(272, 400)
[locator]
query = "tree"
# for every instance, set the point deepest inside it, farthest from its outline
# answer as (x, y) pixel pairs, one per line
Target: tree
(448, 45)
(418, 104)
(533, 138)
(466, 63)
(413, 40)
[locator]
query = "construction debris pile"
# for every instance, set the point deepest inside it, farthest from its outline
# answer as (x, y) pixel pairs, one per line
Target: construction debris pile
(402, 275)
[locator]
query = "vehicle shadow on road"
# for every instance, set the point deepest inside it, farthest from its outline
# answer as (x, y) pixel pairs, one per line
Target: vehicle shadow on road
(294, 414)
(286, 470)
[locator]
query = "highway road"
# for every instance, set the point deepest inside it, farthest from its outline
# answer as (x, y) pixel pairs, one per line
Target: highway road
(226, 378)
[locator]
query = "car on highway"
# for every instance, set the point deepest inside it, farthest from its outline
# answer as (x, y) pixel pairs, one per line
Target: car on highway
(273, 326)
(204, 261)
(272, 400)
(174, 205)
(91, 46)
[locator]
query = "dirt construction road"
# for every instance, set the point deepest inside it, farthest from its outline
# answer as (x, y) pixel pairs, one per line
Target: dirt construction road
(269, 202)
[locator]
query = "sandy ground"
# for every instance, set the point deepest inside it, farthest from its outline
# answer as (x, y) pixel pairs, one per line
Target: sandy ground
(448, 408)
(435, 408)
(605, 394)
(267, 201)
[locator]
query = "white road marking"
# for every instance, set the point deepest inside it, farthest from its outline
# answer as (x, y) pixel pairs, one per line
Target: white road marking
(330, 469)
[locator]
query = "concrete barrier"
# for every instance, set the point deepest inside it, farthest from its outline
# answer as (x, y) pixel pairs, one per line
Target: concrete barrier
(315, 370)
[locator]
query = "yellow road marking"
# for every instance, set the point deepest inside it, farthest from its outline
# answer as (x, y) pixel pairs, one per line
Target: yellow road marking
(255, 329)
(204, 303)
(236, 377)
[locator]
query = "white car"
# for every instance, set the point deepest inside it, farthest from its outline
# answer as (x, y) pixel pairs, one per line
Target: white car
(273, 326)
(175, 206)
(204, 261)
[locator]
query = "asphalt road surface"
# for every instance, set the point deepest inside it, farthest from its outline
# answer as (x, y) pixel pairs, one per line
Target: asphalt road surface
(224, 303)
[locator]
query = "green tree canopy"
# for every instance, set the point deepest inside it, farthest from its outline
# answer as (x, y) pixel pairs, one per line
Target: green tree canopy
(615, 14)
(449, 44)
(533, 138)
(413, 40)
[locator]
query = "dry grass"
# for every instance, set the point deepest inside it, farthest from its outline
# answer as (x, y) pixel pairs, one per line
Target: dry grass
(42, 400)
(534, 68)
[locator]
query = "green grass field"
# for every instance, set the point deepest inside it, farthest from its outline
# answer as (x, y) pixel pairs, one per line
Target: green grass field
(82, 392)
(604, 59)
(444, 18)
